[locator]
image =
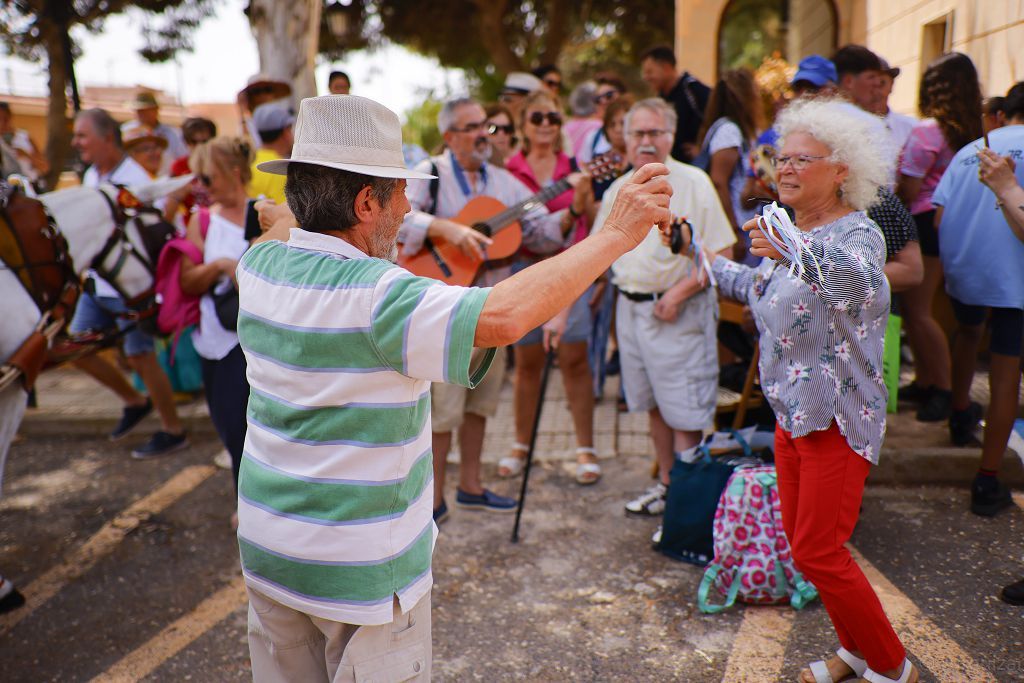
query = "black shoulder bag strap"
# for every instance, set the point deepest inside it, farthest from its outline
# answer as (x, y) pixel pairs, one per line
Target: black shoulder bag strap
(435, 184)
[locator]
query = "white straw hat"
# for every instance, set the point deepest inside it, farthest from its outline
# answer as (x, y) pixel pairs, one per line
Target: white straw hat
(349, 133)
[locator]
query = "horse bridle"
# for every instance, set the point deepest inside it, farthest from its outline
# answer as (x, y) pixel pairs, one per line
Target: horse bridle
(141, 306)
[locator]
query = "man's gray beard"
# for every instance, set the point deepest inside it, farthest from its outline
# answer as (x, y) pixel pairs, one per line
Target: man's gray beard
(482, 154)
(383, 247)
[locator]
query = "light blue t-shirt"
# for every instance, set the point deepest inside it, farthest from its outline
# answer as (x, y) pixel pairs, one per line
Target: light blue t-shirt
(982, 258)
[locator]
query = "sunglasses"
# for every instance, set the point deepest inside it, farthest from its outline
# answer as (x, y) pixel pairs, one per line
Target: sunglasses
(494, 129)
(470, 128)
(557, 85)
(605, 97)
(553, 117)
(204, 179)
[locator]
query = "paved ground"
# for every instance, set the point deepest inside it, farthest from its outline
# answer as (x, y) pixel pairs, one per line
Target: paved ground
(131, 573)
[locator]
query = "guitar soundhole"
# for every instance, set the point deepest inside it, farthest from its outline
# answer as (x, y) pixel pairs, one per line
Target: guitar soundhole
(482, 228)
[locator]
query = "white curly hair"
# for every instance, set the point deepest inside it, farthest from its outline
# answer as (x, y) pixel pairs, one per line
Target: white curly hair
(858, 140)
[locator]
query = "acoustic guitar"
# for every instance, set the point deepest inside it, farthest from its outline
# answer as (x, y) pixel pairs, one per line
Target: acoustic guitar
(446, 262)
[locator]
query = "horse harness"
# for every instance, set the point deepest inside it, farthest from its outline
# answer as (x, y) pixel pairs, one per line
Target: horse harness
(34, 248)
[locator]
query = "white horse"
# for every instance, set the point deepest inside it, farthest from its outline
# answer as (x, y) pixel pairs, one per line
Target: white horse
(85, 219)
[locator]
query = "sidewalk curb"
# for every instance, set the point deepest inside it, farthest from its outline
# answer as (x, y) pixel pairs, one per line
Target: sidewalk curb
(946, 466)
(900, 466)
(50, 424)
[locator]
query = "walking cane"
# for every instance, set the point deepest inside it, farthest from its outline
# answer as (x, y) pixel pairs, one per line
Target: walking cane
(549, 361)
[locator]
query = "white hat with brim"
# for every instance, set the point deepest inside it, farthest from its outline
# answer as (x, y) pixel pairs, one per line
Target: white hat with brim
(348, 133)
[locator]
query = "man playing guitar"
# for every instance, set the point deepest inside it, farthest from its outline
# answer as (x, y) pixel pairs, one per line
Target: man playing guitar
(464, 174)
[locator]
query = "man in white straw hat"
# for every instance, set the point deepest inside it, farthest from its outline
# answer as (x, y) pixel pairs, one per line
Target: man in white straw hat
(335, 492)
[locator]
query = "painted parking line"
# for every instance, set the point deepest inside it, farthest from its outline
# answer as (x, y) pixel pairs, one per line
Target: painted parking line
(104, 541)
(759, 646)
(141, 662)
(922, 637)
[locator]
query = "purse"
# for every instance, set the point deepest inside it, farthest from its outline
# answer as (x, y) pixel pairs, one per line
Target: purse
(226, 305)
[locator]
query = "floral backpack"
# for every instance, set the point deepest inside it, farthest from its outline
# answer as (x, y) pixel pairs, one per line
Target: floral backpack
(753, 563)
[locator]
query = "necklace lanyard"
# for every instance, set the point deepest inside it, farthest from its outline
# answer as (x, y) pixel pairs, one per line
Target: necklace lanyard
(463, 181)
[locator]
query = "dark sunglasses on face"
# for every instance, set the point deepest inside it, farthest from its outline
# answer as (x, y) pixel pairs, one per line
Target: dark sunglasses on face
(470, 128)
(553, 117)
(494, 129)
(557, 85)
(204, 179)
(605, 97)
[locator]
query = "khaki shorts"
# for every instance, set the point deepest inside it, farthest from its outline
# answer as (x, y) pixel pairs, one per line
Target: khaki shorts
(287, 645)
(672, 366)
(449, 402)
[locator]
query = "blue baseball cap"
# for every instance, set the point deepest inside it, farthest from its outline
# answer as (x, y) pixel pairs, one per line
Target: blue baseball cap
(816, 70)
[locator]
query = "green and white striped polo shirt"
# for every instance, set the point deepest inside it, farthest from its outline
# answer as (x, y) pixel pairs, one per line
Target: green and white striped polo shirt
(336, 487)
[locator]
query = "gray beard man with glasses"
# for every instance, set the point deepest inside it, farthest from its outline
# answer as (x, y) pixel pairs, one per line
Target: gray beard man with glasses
(666, 319)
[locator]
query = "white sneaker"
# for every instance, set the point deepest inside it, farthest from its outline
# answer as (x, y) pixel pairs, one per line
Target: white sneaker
(651, 502)
(656, 537)
(223, 460)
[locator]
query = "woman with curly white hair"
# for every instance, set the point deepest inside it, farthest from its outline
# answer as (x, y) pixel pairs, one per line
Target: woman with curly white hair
(820, 301)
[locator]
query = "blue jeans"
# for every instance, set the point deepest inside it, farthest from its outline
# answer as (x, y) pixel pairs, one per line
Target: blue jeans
(99, 314)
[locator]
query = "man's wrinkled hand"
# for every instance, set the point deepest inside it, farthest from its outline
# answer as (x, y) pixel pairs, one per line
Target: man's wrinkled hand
(276, 220)
(641, 203)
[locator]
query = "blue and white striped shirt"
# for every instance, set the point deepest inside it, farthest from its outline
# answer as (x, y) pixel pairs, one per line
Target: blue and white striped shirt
(821, 337)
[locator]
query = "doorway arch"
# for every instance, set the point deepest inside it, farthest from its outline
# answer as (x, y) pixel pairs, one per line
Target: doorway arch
(750, 30)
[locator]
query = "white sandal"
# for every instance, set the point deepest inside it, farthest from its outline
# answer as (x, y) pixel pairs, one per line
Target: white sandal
(512, 465)
(908, 668)
(587, 473)
(819, 669)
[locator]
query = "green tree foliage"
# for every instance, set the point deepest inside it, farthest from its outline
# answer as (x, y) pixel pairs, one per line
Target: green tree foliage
(489, 38)
(421, 125)
(751, 31)
(38, 30)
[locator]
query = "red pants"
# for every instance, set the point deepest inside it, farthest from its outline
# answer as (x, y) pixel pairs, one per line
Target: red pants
(821, 481)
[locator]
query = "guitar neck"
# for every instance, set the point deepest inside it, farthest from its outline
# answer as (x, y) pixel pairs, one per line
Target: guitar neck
(517, 211)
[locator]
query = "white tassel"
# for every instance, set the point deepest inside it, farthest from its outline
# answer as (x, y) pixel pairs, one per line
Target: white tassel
(788, 240)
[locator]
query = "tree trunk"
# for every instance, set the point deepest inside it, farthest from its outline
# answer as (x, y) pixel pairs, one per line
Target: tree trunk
(58, 134)
(287, 36)
(558, 31)
(492, 34)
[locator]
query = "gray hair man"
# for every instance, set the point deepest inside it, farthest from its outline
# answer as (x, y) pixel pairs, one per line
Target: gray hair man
(666, 317)
(97, 138)
(335, 529)
(464, 175)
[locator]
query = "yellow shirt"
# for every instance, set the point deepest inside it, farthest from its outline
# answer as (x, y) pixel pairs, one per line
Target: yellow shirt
(651, 268)
(269, 185)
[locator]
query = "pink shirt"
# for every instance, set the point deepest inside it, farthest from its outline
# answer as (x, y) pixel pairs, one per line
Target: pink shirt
(926, 155)
(520, 168)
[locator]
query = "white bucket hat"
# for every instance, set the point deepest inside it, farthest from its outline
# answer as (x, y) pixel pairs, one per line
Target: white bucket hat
(349, 133)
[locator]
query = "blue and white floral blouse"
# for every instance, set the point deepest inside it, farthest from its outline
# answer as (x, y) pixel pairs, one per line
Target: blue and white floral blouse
(822, 334)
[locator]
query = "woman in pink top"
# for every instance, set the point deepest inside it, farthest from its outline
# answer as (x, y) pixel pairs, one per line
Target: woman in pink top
(539, 163)
(950, 103)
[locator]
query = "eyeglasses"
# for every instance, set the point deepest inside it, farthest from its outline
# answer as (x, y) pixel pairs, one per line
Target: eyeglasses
(553, 117)
(494, 129)
(799, 161)
(552, 83)
(653, 134)
(470, 127)
(606, 96)
(204, 179)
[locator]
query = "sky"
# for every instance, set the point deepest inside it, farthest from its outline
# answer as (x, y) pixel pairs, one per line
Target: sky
(224, 57)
